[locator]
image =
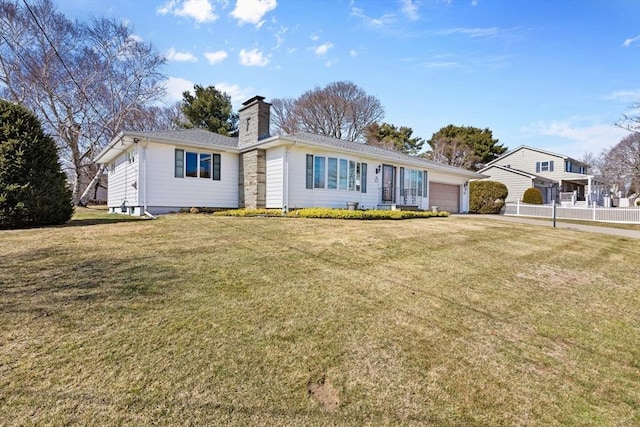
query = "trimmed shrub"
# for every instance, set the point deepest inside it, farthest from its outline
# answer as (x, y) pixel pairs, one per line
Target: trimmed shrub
(33, 188)
(334, 213)
(487, 197)
(532, 196)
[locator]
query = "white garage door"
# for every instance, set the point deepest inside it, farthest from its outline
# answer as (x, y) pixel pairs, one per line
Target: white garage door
(445, 196)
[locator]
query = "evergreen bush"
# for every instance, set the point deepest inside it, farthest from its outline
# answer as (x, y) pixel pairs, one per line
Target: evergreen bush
(487, 197)
(532, 196)
(33, 188)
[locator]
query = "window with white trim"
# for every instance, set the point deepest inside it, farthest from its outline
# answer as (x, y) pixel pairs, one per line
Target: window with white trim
(196, 165)
(544, 166)
(335, 174)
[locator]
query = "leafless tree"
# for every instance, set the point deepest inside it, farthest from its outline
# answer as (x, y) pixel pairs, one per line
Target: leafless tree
(340, 110)
(453, 151)
(621, 164)
(631, 121)
(85, 81)
(282, 117)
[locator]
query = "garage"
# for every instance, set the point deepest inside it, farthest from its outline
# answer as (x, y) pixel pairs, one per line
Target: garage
(445, 196)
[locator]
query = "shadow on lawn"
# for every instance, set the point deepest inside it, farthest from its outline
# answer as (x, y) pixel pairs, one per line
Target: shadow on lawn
(52, 288)
(112, 219)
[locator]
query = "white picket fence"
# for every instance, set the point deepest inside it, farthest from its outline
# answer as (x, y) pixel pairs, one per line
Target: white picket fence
(594, 213)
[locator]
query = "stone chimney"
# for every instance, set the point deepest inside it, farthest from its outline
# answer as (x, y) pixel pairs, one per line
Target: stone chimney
(252, 127)
(253, 124)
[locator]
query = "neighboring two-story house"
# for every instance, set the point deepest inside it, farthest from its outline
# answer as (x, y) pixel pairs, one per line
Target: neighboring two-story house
(558, 177)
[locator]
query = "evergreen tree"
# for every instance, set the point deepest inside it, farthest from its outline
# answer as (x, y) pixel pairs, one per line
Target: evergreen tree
(464, 146)
(394, 138)
(209, 109)
(33, 188)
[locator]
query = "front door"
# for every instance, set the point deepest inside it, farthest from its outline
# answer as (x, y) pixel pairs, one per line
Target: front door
(388, 184)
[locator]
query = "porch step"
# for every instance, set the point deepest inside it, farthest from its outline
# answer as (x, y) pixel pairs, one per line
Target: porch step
(398, 207)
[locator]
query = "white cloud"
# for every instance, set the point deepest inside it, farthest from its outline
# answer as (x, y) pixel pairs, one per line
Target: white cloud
(471, 32)
(383, 21)
(200, 10)
(474, 2)
(353, 52)
(253, 58)
(173, 55)
(575, 139)
(629, 42)
(314, 37)
(323, 48)
(216, 57)
(238, 94)
(175, 86)
(279, 35)
(409, 9)
(252, 11)
(625, 95)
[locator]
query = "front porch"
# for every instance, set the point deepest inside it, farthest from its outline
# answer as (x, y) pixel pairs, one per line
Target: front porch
(582, 192)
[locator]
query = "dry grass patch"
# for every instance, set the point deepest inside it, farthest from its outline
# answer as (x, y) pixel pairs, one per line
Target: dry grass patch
(197, 319)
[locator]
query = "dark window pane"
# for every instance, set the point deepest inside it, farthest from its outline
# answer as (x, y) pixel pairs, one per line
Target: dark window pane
(318, 172)
(192, 164)
(332, 173)
(205, 165)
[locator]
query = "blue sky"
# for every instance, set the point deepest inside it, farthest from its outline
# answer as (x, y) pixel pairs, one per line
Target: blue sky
(553, 74)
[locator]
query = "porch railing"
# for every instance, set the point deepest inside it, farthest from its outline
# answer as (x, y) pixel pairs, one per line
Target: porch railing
(409, 196)
(593, 213)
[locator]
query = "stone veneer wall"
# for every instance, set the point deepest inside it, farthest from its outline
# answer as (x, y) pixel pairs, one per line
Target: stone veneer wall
(253, 179)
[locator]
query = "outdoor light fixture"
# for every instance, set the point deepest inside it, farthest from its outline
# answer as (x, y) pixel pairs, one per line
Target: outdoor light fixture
(378, 169)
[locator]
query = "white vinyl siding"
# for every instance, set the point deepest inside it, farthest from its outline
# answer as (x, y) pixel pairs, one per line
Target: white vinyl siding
(165, 190)
(123, 180)
(275, 178)
(300, 196)
(516, 183)
(530, 161)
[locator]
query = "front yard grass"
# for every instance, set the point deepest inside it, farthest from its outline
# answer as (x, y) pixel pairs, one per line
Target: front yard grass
(206, 320)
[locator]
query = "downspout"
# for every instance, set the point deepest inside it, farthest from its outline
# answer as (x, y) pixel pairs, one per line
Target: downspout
(144, 173)
(144, 179)
(285, 182)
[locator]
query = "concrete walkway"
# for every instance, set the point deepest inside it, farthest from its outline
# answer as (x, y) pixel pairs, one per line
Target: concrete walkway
(633, 234)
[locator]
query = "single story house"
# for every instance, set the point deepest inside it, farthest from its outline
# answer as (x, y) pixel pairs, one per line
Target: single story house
(165, 171)
(558, 177)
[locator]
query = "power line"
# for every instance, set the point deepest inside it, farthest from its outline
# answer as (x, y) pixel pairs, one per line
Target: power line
(64, 65)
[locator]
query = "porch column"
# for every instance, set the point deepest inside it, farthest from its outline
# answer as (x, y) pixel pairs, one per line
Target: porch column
(588, 195)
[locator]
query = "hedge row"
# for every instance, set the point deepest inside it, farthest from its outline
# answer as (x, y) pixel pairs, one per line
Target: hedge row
(333, 213)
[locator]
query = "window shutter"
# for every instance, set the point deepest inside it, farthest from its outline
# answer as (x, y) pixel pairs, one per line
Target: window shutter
(179, 164)
(537, 167)
(310, 171)
(216, 167)
(425, 184)
(363, 179)
(551, 166)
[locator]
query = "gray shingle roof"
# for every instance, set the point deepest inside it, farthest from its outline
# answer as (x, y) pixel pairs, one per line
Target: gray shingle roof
(189, 136)
(374, 151)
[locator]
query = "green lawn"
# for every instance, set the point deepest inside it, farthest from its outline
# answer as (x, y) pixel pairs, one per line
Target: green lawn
(203, 320)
